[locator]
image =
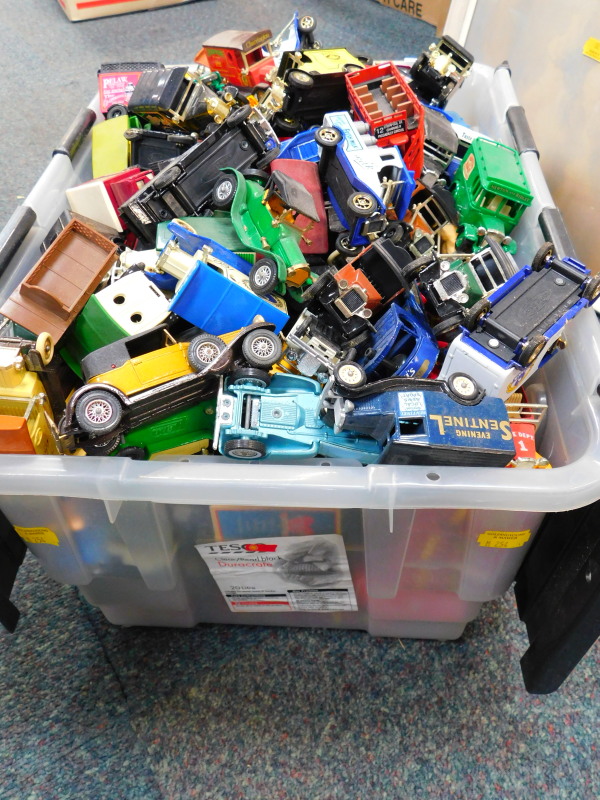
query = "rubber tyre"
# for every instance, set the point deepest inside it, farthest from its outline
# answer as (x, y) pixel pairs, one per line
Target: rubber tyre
(264, 276)
(257, 377)
(103, 448)
(299, 80)
(316, 287)
(45, 347)
(262, 348)
(591, 291)
(349, 375)
(258, 175)
(117, 110)
(362, 204)
(328, 137)
(98, 412)
(204, 350)
(475, 313)
(237, 116)
(307, 24)
(545, 252)
(245, 449)
(345, 249)
(468, 390)
(224, 191)
(287, 126)
(135, 453)
(531, 350)
(447, 325)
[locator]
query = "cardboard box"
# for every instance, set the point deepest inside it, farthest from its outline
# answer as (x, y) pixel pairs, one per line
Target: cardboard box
(77, 10)
(432, 11)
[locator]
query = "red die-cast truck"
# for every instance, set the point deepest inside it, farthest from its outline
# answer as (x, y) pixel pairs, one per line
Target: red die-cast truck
(116, 83)
(238, 56)
(382, 98)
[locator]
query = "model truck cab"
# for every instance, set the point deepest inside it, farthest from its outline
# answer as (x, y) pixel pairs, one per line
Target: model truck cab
(238, 56)
(491, 194)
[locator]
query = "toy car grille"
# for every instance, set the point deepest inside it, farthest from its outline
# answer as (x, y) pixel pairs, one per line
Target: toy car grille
(353, 301)
(451, 284)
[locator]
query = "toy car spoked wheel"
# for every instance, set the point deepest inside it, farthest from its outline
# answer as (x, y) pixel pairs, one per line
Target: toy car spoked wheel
(45, 347)
(117, 110)
(362, 204)
(224, 191)
(251, 375)
(306, 24)
(349, 375)
(545, 252)
(328, 137)
(237, 116)
(475, 313)
(591, 291)
(264, 276)
(262, 348)
(246, 449)
(463, 386)
(531, 350)
(343, 246)
(103, 448)
(135, 453)
(299, 80)
(204, 350)
(98, 412)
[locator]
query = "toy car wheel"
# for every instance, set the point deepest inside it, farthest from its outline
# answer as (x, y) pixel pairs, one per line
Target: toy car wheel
(262, 348)
(251, 375)
(316, 287)
(204, 350)
(237, 116)
(411, 270)
(287, 126)
(256, 175)
(306, 24)
(343, 246)
(116, 111)
(98, 412)
(135, 453)
(328, 137)
(592, 289)
(45, 347)
(362, 204)
(349, 375)
(224, 191)
(447, 325)
(247, 449)
(475, 313)
(545, 252)
(299, 80)
(531, 350)
(105, 448)
(352, 67)
(463, 386)
(264, 276)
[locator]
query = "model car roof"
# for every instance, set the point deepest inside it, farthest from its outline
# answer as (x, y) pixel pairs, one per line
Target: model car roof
(239, 40)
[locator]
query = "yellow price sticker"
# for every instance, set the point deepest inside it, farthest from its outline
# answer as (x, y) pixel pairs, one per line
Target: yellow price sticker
(37, 535)
(591, 48)
(503, 539)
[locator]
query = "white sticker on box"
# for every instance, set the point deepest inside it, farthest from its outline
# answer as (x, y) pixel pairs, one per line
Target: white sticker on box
(291, 573)
(411, 404)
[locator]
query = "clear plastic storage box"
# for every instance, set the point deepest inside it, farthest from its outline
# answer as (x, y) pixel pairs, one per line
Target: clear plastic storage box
(425, 546)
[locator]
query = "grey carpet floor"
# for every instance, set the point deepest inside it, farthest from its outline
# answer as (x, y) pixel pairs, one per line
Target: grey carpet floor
(94, 712)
